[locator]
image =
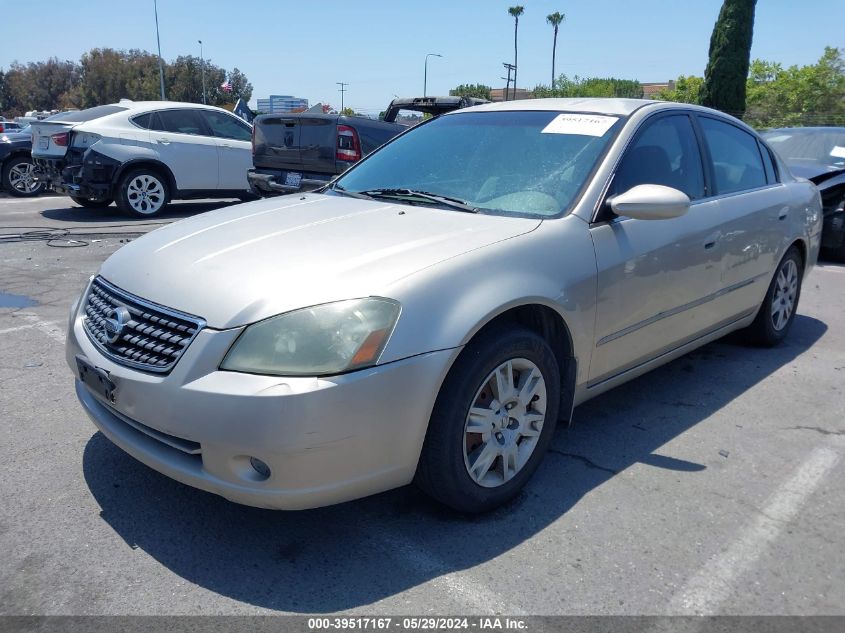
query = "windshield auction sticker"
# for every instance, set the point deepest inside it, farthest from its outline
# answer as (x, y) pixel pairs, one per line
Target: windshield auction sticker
(580, 124)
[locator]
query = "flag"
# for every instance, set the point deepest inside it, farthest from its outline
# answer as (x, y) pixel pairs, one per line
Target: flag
(226, 86)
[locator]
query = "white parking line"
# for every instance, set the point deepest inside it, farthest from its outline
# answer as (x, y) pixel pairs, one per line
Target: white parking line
(714, 582)
(9, 330)
(49, 328)
(469, 595)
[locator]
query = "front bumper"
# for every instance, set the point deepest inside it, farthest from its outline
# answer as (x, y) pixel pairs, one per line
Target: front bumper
(325, 440)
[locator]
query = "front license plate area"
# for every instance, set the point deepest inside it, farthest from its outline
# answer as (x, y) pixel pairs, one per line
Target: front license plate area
(95, 378)
(293, 179)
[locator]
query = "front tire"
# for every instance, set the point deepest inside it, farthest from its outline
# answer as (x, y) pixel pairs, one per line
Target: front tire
(142, 193)
(19, 178)
(492, 422)
(88, 203)
(780, 304)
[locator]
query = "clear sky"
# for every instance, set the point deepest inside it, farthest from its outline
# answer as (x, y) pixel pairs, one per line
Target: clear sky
(378, 47)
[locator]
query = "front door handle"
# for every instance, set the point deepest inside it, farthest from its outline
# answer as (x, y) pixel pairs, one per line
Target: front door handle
(162, 141)
(710, 240)
(783, 213)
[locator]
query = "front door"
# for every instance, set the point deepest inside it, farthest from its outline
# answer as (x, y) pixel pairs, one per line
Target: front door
(655, 276)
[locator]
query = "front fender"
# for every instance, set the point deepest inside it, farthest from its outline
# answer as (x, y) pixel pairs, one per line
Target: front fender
(444, 306)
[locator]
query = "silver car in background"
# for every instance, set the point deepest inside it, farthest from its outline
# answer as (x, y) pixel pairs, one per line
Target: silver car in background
(435, 312)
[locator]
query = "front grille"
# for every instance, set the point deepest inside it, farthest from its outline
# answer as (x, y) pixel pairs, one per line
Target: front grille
(151, 338)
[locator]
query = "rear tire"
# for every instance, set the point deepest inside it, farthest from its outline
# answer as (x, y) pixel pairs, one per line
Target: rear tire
(780, 304)
(18, 178)
(142, 193)
(91, 204)
(492, 422)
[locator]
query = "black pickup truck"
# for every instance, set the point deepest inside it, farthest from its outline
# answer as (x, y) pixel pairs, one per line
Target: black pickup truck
(304, 151)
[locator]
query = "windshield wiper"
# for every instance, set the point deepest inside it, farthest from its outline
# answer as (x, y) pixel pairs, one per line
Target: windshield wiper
(452, 203)
(352, 194)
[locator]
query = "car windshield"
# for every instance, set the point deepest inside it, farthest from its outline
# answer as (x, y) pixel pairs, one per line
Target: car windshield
(822, 146)
(510, 163)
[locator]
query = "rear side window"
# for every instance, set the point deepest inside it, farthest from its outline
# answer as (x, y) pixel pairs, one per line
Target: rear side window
(179, 122)
(737, 163)
(225, 126)
(665, 152)
(144, 120)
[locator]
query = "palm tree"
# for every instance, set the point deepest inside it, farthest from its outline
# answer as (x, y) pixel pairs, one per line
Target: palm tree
(516, 11)
(555, 19)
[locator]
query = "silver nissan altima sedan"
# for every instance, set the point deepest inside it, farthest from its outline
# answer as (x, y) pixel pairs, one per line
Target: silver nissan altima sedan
(434, 313)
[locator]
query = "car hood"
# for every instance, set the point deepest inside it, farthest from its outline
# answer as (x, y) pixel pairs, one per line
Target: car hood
(252, 261)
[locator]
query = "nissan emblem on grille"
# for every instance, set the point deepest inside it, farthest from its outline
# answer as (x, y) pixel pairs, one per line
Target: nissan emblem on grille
(114, 326)
(136, 332)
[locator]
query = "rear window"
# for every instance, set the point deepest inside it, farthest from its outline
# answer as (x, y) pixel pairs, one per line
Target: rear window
(92, 113)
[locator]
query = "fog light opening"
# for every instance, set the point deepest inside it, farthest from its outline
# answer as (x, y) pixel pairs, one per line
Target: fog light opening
(262, 470)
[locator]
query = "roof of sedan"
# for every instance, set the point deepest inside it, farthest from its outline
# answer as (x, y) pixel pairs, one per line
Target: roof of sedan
(620, 107)
(158, 105)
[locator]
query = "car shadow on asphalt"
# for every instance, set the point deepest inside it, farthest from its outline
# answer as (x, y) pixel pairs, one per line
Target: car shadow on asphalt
(112, 214)
(354, 554)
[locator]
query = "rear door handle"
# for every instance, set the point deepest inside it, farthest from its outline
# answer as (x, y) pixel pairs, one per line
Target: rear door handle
(783, 213)
(162, 141)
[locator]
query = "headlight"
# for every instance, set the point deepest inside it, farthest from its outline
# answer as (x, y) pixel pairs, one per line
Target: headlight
(325, 339)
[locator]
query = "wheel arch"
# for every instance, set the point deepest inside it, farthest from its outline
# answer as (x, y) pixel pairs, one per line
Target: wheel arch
(152, 164)
(548, 323)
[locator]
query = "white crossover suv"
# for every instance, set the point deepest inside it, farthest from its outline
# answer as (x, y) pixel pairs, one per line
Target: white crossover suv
(141, 155)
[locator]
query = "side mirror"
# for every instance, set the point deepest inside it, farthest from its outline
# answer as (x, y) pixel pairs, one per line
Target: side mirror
(651, 202)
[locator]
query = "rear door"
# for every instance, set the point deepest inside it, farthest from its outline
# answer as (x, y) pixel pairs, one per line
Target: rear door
(752, 207)
(655, 277)
(234, 148)
(185, 144)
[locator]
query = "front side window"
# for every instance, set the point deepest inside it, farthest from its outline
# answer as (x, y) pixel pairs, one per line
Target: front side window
(225, 126)
(665, 152)
(508, 163)
(179, 122)
(737, 163)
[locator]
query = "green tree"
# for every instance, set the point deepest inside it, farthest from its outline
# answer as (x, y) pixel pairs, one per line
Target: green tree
(555, 20)
(241, 88)
(806, 95)
(472, 90)
(687, 90)
(591, 87)
(516, 11)
(730, 49)
(348, 112)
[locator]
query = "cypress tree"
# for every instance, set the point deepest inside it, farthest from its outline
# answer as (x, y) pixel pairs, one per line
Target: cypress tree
(730, 51)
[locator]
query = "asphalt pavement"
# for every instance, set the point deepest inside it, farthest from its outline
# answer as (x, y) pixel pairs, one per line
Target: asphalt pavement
(715, 485)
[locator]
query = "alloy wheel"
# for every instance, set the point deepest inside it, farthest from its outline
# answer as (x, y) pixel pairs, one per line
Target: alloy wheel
(786, 290)
(145, 194)
(22, 178)
(504, 423)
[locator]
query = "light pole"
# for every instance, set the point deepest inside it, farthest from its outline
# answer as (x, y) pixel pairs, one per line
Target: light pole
(202, 65)
(160, 63)
(425, 73)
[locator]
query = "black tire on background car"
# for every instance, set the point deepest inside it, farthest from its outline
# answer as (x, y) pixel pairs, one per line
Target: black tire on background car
(18, 177)
(88, 203)
(492, 422)
(142, 192)
(780, 304)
